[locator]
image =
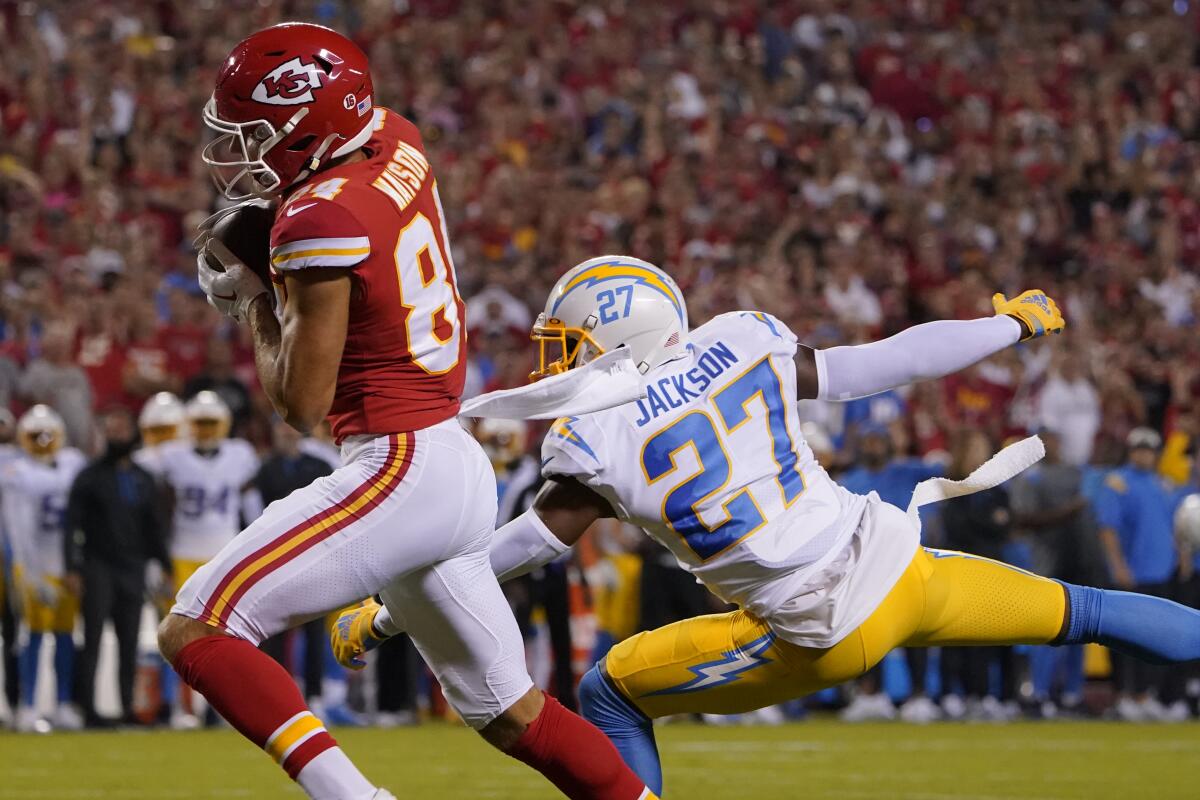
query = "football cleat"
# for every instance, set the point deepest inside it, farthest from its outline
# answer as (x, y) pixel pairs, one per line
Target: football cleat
(352, 636)
(1037, 314)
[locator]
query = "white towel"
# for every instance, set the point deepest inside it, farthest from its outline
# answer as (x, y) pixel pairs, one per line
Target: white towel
(1009, 462)
(611, 380)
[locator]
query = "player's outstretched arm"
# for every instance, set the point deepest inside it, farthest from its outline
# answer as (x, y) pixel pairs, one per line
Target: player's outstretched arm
(298, 357)
(924, 352)
(562, 511)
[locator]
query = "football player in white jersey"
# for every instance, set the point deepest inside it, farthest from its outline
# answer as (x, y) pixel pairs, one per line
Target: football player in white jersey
(712, 464)
(35, 487)
(205, 473)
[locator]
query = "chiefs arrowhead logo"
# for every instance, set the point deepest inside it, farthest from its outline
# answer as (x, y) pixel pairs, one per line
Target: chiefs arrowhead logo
(289, 84)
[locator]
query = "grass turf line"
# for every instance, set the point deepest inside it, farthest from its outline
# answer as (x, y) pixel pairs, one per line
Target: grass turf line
(814, 760)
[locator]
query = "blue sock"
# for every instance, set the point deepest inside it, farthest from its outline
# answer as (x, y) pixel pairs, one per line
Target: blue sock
(1150, 628)
(64, 665)
(27, 668)
(629, 729)
(168, 684)
(1043, 664)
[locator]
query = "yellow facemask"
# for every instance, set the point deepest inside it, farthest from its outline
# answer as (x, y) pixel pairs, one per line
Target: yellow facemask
(570, 343)
(157, 434)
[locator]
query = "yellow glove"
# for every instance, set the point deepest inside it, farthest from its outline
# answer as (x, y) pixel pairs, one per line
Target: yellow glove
(352, 636)
(1037, 314)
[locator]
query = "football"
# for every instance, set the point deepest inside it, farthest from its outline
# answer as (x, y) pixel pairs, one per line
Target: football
(246, 231)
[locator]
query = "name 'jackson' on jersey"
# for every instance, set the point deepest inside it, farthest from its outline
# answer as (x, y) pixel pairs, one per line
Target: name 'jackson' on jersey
(712, 465)
(404, 361)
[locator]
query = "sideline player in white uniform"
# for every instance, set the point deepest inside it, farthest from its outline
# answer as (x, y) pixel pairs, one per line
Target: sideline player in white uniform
(365, 327)
(35, 488)
(713, 466)
(205, 475)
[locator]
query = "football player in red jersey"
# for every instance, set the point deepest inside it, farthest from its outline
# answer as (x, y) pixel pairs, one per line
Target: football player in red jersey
(364, 326)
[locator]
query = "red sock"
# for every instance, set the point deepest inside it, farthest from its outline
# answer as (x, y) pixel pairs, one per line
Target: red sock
(576, 757)
(257, 696)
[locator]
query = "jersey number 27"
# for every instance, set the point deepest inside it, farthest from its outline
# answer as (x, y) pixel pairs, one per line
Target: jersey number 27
(697, 430)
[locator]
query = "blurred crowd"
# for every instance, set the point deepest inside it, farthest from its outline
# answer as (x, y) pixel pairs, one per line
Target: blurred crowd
(851, 166)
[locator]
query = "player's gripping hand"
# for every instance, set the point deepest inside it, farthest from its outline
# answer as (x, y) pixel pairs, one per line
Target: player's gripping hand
(352, 636)
(232, 288)
(1037, 314)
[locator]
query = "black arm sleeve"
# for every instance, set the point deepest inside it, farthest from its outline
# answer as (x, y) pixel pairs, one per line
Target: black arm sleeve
(156, 524)
(76, 536)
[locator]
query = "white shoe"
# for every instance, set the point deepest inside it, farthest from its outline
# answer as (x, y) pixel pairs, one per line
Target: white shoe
(28, 721)
(1129, 710)
(768, 715)
(988, 709)
(67, 718)
(395, 719)
(1177, 712)
(721, 720)
(953, 707)
(868, 708)
(1153, 710)
(920, 710)
(183, 721)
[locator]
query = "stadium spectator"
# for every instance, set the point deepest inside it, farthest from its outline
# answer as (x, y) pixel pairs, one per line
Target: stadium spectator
(218, 376)
(1069, 405)
(1136, 509)
(116, 523)
(54, 379)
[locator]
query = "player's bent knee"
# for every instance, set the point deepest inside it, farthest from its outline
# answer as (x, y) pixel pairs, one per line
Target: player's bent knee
(506, 730)
(176, 632)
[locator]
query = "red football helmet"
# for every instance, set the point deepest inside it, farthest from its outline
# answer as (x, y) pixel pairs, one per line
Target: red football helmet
(288, 99)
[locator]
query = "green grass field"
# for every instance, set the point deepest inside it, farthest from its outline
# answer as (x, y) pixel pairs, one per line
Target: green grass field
(812, 760)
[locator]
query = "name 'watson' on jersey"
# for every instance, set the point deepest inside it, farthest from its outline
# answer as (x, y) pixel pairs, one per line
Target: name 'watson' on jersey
(404, 361)
(726, 481)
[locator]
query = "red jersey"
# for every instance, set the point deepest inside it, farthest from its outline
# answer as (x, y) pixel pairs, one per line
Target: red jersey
(404, 361)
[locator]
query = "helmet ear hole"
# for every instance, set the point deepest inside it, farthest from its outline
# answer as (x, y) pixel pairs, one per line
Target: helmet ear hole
(303, 143)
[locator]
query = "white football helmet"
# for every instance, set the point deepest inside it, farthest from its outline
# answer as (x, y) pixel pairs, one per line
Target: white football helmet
(209, 417)
(1187, 522)
(162, 419)
(607, 302)
(41, 432)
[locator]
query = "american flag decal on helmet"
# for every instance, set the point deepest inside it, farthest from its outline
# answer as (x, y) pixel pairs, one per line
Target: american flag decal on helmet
(672, 340)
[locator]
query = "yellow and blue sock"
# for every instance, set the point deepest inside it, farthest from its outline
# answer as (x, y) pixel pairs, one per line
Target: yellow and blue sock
(630, 731)
(1150, 628)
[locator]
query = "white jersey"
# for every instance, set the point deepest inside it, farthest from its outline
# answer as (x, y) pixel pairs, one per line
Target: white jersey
(208, 492)
(34, 507)
(712, 465)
